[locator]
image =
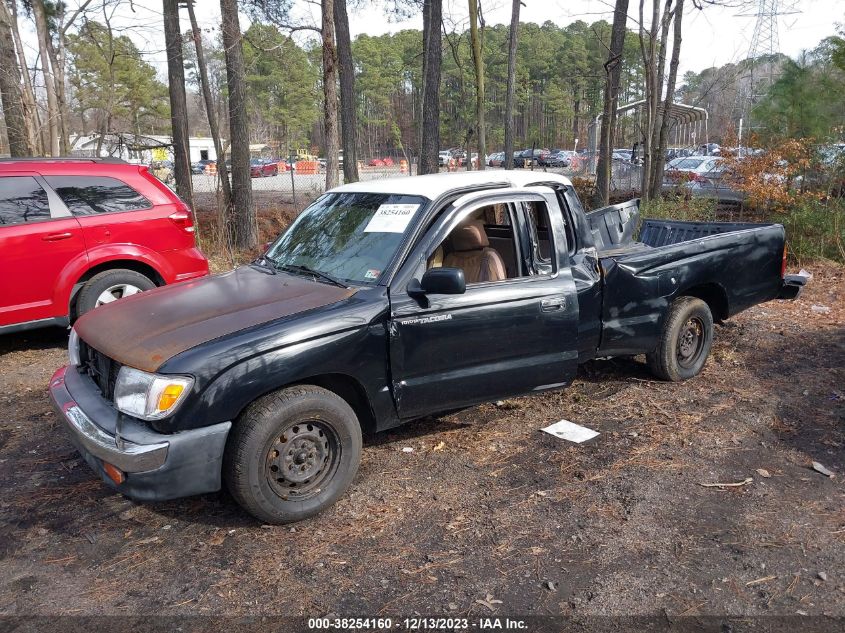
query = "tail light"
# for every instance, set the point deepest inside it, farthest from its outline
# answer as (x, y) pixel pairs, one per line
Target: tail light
(783, 262)
(183, 219)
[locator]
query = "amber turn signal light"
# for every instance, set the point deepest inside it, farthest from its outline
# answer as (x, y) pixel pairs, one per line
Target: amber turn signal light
(169, 396)
(114, 473)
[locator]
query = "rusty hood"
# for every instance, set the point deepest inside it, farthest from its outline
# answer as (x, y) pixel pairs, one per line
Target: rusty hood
(145, 330)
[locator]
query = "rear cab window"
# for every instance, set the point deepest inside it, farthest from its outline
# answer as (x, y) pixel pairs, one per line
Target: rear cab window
(92, 195)
(22, 201)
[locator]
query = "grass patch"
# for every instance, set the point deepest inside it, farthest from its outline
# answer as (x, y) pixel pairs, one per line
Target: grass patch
(680, 208)
(814, 230)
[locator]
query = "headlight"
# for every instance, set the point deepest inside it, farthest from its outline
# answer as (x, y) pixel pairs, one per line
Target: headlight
(149, 396)
(73, 348)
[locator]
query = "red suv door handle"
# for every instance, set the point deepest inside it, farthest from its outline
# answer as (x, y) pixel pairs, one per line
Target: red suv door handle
(55, 237)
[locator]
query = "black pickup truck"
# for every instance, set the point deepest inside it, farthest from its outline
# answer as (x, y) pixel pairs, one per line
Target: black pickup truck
(383, 302)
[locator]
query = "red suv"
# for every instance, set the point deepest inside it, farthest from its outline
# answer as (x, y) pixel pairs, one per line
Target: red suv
(77, 233)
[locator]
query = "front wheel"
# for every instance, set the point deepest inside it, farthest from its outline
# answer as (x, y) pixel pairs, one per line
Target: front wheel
(685, 341)
(292, 454)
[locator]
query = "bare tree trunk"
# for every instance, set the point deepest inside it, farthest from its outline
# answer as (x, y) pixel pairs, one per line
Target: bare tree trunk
(348, 114)
(244, 229)
(652, 93)
(432, 59)
(330, 93)
(59, 80)
(657, 97)
(10, 90)
(613, 70)
(478, 64)
(49, 83)
(509, 97)
(178, 103)
(660, 158)
(33, 121)
(211, 113)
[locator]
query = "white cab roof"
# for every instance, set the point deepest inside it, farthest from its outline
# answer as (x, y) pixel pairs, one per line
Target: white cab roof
(432, 186)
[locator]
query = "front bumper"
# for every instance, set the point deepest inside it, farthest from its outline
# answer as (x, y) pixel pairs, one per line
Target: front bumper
(156, 466)
(792, 286)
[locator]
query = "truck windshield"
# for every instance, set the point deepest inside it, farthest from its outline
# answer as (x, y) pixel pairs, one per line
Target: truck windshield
(349, 236)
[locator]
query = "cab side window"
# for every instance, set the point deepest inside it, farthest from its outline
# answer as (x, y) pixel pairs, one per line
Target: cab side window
(483, 245)
(22, 200)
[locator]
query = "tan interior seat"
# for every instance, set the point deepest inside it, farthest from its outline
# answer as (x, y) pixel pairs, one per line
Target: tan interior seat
(471, 252)
(436, 259)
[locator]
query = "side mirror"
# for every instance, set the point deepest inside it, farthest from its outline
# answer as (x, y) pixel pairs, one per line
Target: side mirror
(439, 281)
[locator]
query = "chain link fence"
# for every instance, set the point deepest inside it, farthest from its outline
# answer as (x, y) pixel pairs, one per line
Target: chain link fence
(299, 189)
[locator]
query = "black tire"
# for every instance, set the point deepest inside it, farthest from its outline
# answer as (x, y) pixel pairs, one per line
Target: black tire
(302, 427)
(92, 291)
(685, 341)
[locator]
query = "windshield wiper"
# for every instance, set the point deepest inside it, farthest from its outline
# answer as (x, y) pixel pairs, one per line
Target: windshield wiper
(299, 268)
(265, 263)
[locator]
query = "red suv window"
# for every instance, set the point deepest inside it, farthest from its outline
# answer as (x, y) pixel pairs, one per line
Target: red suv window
(87, 195)
(22, 200)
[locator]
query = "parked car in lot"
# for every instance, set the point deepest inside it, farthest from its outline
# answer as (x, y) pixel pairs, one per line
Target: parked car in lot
(443, 157)
(576, 160)
(519, 159)
(497, 159)
(558, 159)
(260, 168)
(79, 233)
(701, 177)
(387, 301)
(686, 168)
(201, 166)
(533, 156)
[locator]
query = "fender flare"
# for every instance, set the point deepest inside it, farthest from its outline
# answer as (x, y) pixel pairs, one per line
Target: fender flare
(97, 256)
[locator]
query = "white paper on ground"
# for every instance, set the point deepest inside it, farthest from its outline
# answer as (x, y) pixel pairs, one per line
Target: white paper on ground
(391, 218)
(570, 431)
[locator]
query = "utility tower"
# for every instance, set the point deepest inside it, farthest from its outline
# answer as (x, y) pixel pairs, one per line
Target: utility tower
(763, 51)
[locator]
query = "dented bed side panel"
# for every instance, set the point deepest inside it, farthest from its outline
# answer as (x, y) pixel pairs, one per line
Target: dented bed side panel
(731, 270)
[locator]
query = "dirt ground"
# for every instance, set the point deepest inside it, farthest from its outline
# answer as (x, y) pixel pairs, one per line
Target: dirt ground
(485, 507)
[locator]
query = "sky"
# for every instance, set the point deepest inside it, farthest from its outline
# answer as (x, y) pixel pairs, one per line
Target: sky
(713, 36)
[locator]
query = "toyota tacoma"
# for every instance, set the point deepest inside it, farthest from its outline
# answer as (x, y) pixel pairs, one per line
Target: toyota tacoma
(384, 302)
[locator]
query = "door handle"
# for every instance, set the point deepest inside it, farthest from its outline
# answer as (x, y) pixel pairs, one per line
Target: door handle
(552, 305)
(55, 237)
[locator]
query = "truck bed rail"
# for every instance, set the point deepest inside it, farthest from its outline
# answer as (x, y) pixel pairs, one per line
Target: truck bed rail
(666, 232)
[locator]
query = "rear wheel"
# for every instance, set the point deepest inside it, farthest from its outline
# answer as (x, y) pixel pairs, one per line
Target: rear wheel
(685, 341)
(109, 286)
(292, 454)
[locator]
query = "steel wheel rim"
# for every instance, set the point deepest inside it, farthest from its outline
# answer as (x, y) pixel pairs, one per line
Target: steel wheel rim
(690, 342)
(118, 291)
(302, 459)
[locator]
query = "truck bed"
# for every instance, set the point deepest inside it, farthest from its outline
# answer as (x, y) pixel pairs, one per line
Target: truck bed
(730, 265)
(614, 229)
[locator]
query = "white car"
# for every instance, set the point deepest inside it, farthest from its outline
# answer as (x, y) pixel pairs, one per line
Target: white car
(700, 176)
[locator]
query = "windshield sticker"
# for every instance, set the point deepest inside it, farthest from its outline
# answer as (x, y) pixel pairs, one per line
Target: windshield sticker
(372, 273)
(392, 218)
